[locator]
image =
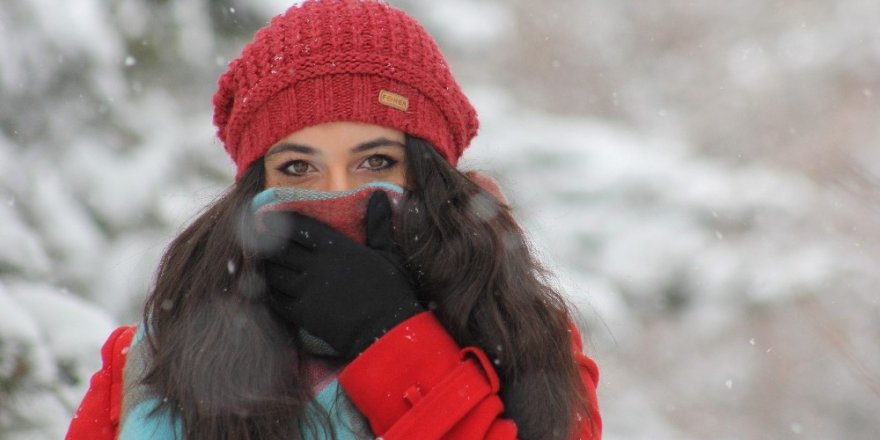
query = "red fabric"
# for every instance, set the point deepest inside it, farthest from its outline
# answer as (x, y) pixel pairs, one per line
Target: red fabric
(98, 415)
(414, 383)
(344, 212)
(340, 60)
(456, 391)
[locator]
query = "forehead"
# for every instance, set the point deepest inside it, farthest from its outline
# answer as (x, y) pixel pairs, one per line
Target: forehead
(341, 135)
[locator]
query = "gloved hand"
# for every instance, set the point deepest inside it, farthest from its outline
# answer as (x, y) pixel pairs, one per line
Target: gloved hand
(336, 289)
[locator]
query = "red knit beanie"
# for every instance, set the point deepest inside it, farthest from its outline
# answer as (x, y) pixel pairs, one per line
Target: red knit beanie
(340, 60)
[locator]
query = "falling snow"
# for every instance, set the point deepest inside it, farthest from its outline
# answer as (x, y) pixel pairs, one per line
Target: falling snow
(675, 233)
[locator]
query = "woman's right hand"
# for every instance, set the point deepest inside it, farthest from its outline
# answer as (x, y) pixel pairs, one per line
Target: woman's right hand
(340, 291)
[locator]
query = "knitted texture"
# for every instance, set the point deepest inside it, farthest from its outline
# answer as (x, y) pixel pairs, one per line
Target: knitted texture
(340, 60)
(341, 210)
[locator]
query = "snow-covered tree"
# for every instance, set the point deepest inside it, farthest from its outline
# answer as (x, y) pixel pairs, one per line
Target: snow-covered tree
(702, 178)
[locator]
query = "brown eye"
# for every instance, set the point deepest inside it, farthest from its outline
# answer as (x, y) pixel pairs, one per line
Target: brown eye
(378, 162)
(296, 167)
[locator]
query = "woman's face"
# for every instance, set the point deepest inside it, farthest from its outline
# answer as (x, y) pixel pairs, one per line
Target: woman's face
(337, 156)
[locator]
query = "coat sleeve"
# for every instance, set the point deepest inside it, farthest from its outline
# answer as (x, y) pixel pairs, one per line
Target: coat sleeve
(98, 415)
(416, 383)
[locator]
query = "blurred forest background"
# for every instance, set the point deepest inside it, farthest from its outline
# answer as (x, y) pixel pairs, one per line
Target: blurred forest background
(702, 177)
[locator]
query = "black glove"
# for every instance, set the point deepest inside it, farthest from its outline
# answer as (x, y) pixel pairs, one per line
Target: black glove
(336, 289)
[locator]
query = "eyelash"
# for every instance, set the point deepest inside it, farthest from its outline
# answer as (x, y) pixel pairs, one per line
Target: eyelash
(390, 163)
(283, 168)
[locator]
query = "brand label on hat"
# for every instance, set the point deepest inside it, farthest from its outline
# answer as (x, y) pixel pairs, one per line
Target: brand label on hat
(393, 100)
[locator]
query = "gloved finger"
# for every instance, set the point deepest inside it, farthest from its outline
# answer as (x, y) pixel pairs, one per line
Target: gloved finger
(288, 308)
(294, 257)
(283, 281)
(311, 234)
(379, 229)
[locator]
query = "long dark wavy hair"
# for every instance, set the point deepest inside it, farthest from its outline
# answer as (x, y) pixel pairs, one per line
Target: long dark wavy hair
(228, 369)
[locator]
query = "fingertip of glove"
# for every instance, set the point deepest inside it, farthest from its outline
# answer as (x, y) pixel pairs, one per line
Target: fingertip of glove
(378, 207)
(378, 222)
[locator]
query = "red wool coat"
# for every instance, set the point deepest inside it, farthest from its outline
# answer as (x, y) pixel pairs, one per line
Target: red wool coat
(413, 383)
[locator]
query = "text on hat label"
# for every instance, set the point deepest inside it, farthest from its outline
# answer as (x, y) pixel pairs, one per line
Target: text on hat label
(393, 100)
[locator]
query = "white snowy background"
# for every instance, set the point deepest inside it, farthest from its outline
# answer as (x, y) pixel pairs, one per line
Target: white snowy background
(702, 177)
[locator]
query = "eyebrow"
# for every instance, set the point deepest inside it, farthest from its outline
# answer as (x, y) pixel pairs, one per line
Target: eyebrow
(305, 149)
(379, 142)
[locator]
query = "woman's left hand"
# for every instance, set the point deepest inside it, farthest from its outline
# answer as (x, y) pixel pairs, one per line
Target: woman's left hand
(345, 293)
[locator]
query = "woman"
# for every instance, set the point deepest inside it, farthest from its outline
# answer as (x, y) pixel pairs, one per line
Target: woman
(431, 320)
